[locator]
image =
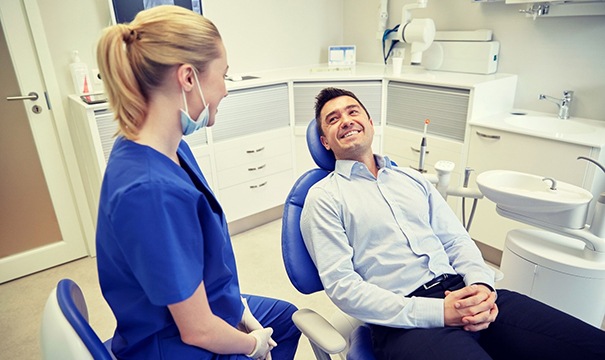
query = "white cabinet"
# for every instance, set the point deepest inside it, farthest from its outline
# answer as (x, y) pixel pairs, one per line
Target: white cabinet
(254, 172)
(93, 131)
(252, 143)
(403, 147)
(492, 149)
(447, 109)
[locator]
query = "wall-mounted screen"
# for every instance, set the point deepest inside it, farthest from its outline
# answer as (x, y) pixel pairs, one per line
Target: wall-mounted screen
(124, 11)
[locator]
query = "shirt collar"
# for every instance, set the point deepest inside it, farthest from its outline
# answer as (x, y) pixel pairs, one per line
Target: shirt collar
(345, 167)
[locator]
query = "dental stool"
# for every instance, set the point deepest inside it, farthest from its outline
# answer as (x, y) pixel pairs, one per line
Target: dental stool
(65, 332)
(344, 334)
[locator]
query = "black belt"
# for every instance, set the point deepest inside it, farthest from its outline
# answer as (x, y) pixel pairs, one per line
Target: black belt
(436, 281)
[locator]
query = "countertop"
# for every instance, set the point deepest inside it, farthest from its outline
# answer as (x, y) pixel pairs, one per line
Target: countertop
(595, 137)
(362, 72)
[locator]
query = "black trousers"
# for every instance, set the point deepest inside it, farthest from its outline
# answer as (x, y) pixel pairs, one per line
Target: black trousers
(524, 329)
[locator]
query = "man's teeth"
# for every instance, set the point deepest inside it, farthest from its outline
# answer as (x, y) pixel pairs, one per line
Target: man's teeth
(354, 132)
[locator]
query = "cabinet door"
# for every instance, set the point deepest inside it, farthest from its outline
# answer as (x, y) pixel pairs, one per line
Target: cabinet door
(408, 105)
(403, 147)
(494, 149)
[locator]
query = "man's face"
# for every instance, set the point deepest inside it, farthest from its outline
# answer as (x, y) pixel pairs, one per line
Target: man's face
(348, 131)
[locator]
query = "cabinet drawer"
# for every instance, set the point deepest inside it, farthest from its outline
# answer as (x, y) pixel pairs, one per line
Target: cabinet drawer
(403, 144)
(254, 170)
(253, 149)
(491, 149)
(255, 196)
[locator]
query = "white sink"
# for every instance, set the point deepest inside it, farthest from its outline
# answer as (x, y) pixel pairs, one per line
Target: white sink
(549, 125)
(530, 196)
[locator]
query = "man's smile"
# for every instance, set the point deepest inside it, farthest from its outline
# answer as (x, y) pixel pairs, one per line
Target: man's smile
(350, 133)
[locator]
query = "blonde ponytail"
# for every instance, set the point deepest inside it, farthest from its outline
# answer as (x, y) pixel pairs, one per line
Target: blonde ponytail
(133, 59)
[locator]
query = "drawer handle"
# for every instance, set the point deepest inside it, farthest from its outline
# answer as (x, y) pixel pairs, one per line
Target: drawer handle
(255, 151)
(259, 185)
(418, 151)
(497, 137)
(257, 168)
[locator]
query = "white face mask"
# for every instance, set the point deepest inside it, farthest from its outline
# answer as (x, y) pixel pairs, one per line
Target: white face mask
(187, 123)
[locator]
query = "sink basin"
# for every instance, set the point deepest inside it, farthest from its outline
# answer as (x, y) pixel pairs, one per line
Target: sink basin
(529, 196)
(549, 125)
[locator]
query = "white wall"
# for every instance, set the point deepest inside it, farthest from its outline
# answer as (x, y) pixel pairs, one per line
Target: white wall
(549, 55)
(269, 34)
(258, 35)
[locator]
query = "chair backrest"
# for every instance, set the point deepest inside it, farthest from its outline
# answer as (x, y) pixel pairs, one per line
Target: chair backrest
(65, 332)
(299, 266)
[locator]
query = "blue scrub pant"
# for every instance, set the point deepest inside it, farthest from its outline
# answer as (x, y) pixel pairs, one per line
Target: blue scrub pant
(276, 314)
(524, 329)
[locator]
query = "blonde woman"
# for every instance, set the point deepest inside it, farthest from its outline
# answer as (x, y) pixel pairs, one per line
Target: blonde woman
(165, 260)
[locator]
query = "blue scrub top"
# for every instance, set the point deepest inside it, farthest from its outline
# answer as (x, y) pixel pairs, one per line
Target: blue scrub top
(160, 233)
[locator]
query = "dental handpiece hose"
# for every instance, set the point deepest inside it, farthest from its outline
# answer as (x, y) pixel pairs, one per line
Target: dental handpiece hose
(467, 225)
(423, 147)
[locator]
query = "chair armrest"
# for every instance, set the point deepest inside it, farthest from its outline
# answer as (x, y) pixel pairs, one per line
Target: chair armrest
(498, 274)
(319, 331)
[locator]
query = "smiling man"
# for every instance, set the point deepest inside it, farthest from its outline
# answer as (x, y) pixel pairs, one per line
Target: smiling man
(390, 252)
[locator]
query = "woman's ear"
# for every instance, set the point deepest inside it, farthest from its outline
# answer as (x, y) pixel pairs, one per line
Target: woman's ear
(185, 77)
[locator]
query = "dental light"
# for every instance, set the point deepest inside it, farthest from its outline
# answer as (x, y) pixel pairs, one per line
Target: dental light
(417, 34)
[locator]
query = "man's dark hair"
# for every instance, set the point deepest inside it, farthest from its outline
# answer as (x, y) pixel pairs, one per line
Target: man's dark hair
(328, 94)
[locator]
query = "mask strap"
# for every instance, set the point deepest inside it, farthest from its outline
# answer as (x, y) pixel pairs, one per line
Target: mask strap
(199, 87)
(185, 101)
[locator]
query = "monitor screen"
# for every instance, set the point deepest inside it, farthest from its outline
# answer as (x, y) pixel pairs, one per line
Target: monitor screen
(124, 11)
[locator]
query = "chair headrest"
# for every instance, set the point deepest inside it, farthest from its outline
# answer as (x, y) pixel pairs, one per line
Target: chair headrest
(323, 158)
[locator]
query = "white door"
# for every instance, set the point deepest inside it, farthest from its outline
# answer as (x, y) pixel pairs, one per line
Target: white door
(39, 224)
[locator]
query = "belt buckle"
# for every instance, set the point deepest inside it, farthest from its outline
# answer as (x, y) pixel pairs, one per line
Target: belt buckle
(436, 281)
(426, 287)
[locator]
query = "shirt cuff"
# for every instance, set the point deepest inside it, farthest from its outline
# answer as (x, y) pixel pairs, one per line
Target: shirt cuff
(476, 278)
(429, 312)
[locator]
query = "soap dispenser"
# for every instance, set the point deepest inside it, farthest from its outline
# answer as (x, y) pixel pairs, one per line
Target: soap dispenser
(80, 75)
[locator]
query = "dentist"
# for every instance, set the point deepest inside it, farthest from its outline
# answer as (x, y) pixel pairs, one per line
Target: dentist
(165, 261)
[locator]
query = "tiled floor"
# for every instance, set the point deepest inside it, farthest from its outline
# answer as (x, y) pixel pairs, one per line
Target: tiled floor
(260, 267)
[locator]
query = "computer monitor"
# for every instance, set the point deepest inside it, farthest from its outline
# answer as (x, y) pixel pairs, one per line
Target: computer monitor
(124, 11)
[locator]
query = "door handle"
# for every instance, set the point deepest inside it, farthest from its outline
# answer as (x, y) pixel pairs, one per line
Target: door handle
(33, 96)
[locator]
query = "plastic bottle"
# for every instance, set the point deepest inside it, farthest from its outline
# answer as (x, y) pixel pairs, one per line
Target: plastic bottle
(80, 75)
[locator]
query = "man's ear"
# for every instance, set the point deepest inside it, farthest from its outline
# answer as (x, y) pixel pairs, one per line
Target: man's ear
(324, 142)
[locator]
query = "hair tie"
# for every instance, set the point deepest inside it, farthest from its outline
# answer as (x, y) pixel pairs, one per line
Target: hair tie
(132, 36)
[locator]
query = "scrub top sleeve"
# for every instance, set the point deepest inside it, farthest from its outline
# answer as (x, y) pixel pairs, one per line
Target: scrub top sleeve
(160, 234)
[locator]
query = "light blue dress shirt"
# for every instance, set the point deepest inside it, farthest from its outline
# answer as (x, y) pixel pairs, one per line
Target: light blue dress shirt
(376, 240)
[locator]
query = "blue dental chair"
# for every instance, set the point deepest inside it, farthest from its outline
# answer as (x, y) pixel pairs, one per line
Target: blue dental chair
(65, 332)
(344, 334)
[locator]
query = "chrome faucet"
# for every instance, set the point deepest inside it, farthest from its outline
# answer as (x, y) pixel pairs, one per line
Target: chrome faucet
(563, 103)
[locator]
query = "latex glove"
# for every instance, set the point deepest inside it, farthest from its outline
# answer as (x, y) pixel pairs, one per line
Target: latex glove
(249, 322)
(264, 344)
